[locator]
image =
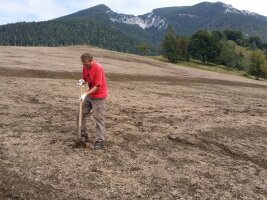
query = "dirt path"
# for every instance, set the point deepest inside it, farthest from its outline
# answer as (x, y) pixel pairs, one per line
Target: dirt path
(181, 135)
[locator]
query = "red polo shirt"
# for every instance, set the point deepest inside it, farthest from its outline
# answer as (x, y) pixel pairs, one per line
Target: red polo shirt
(95, 76)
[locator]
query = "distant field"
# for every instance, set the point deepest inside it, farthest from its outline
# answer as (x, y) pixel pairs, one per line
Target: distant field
(210, 67)
(173, 132)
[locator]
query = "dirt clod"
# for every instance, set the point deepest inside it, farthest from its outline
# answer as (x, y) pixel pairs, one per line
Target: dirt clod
(79, 144)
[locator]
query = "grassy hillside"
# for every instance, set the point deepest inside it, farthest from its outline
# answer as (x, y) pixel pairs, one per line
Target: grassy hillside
(219, 68)
(196, 64)
(244, 50)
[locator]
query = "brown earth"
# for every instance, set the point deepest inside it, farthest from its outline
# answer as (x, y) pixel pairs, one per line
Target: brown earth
(172, 132)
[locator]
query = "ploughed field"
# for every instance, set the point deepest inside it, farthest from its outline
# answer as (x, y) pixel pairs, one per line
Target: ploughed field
(172, 132)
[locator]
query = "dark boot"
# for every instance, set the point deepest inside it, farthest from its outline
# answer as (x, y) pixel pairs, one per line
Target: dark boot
(99, 145)
(84, 137)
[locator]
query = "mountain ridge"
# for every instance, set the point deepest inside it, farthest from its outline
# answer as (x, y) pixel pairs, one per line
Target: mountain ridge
(101, 26)
(160, 13)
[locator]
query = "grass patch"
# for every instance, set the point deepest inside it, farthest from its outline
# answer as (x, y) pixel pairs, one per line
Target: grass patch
(208, 67)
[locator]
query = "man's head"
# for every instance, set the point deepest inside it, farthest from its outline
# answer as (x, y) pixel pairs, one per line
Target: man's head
(87, 60)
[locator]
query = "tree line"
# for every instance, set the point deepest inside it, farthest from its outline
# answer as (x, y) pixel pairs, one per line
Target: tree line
(99, 33)
(218, 47)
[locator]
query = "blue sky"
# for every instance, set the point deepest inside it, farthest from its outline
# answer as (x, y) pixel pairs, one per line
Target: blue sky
(12, 11)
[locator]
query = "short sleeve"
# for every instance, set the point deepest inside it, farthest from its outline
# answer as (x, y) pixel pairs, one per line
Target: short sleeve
(99, 76)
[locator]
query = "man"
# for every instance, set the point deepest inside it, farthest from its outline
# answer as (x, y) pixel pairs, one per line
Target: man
(94, 98)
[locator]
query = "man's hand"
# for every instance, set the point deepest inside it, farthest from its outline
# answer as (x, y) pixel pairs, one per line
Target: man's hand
(81, 82)
(83, 97)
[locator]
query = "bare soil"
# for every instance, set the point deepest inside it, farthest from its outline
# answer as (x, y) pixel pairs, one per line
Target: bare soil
(172, 132)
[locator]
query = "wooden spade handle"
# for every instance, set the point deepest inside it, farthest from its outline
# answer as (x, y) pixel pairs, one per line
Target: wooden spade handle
(80, 116)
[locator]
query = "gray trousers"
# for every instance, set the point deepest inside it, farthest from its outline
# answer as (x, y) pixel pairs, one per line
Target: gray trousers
(98, 107)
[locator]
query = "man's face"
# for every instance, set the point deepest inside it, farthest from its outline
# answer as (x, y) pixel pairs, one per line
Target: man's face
(87, 63)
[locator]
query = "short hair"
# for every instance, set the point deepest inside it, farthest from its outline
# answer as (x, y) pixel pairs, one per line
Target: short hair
(87, 56)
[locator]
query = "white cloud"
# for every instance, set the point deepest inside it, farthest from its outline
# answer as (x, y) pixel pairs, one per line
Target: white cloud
(39, 10)
(30, 10)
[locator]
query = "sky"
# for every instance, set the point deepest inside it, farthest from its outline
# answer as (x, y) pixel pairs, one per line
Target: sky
(12, 11)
